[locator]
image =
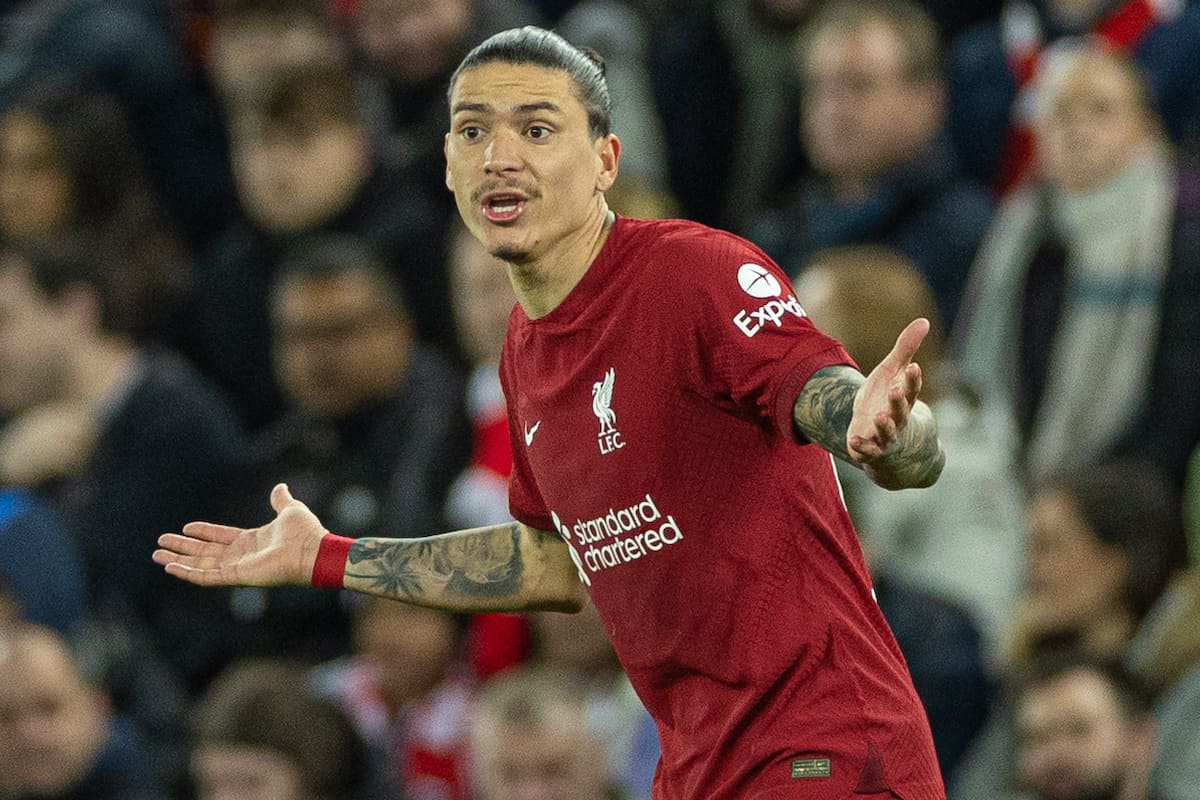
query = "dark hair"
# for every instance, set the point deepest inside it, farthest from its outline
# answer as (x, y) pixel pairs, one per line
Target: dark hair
(543, 48)
(1133, 696)
(130, 300)
(328, 255)
(1132, 505)
(268, 703)
(115, 204)
(295, 97)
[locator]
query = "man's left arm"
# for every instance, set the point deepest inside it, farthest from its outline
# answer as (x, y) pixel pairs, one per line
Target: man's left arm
(876, 422)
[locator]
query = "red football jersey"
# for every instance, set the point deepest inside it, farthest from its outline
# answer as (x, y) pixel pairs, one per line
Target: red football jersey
(651, 424)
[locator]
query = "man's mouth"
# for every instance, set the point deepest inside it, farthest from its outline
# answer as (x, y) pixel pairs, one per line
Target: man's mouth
(503, 207)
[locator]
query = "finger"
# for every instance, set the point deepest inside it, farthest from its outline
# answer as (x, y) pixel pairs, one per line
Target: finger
(207, 531)
(865, 450)
(281, 497)
(200, 577)
(914, 379)
(898, 404)
(885, 429)
(907, 343)
(187, 546)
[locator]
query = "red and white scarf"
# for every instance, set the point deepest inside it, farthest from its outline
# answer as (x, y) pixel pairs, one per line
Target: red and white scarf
(1025, 46)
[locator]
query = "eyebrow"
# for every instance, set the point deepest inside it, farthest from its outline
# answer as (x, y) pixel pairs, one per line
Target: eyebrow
(524, 108)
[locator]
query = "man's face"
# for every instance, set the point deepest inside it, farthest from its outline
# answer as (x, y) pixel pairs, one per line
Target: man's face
(35, 339)
(1074, 742)
(412, 647)
(338, 343)
(862, 113)
(1094, 126)
(36, 191)
(243, 772)
(1074, 578)
(558, 762)
(524, 168)
(52, 726)
(291, 179)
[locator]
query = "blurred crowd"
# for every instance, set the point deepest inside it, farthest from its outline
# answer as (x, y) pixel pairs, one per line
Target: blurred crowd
(228, 259)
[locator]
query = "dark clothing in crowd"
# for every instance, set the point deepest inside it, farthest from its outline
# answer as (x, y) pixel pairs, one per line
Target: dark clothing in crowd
(167, 444)
(925, 210)
(228, 327)
(382, 471)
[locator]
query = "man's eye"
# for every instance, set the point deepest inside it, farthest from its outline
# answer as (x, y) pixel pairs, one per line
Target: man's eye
(471, 132)
(538, 132)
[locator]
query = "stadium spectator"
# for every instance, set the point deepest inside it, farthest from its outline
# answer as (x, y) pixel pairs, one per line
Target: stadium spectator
(873, 113)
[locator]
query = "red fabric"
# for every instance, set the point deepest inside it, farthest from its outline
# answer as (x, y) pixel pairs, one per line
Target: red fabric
(492, 449)
(330, 567)
(715, 546)
(497, 642)
(1122, 30)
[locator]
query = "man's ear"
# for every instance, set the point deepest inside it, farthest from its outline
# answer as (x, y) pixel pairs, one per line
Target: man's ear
(608, 155)
(446, 156)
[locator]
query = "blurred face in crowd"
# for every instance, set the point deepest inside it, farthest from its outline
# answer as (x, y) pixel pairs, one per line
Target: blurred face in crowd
(37, 333)
(555, 761)
(36, 190)
(414, 40)
(1075, 741)
(245, 772)
(294, 177)
(483, 298)
(340, 342)
(412, 647)
(52, 726)
(1075, 580)
(862, 112)
(1095, 124)
(526, 173)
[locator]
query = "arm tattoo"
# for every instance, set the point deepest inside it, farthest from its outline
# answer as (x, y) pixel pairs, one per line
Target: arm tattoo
(823, 412)
(478, 570)
(825, 407)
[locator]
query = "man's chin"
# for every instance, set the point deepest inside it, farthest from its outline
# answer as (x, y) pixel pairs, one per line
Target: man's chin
(511, 255)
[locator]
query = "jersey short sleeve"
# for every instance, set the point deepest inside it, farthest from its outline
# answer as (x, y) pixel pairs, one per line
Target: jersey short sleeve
(751, 343)
(525, 502)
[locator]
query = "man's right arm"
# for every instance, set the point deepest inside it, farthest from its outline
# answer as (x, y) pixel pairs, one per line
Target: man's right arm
(509, 567)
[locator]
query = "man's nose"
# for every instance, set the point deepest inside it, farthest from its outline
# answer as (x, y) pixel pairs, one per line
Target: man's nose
(502, 154)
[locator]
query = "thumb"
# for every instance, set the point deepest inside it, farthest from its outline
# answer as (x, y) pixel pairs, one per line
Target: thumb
(281, 497)
(908, 341)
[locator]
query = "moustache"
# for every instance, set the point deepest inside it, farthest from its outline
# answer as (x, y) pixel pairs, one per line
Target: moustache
(529, 191)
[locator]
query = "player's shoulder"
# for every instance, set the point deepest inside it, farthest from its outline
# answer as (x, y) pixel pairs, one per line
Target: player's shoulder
(690, 252)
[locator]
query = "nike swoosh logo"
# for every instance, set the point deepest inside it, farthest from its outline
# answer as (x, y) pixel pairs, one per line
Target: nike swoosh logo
(529, 432)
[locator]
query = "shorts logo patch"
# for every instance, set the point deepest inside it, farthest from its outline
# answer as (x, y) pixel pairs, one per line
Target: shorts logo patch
(811, 768)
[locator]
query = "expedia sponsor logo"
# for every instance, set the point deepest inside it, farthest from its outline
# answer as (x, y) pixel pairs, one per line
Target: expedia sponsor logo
(619, 536)
(773, 312)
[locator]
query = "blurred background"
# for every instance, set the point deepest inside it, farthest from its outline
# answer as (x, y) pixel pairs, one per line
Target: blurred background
(228, 259)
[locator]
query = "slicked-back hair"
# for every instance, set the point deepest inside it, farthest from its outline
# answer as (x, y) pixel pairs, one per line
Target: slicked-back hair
(542, 48)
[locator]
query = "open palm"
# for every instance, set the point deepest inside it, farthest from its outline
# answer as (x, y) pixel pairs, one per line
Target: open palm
(282, 552)
(884, 402)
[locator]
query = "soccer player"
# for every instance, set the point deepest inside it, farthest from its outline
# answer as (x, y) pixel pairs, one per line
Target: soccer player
(672, 413)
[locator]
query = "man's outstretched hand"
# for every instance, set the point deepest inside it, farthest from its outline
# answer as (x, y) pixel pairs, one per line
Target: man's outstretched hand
(883, 404)
(282, 552)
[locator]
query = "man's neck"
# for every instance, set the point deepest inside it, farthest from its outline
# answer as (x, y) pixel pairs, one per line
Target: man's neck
(542, 284)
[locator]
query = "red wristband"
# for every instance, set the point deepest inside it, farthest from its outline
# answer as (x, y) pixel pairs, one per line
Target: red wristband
(329, 570)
